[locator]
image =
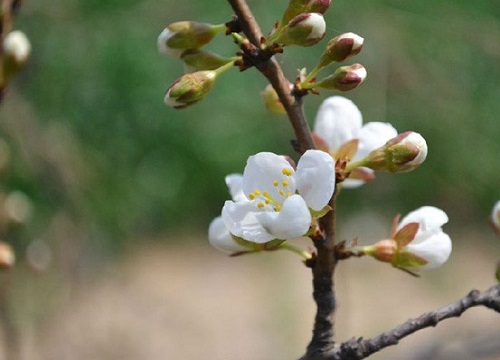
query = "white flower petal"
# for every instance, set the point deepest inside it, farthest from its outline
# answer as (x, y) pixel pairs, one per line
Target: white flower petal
(262, 170)
(495, 215)
(435, 249)
(338, 120)
(234, 183)
(291, 222)
(240, 220)
(220, 237)
(430, 219)
(372, 136)
(353, 183)
(163, 48)
(417, 140)
(315, 178)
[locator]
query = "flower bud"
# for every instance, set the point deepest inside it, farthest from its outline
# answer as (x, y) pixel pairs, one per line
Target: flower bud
(190, 88)
(341, 48)
(17, 50)
(197, 60)
(183, 35)
(403, 153)
(495, 217)
(303, 30)
(7, 256)
(297, 7)
(345, 78)
(272, 100)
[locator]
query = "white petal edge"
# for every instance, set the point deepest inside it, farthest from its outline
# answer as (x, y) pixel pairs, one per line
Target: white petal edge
(429, 218)
(436, 249)
(241, 220)
(315, 178)
(291, 222)
(220, 238)
(234, 184)
(338, 120)
(495, 214)
(417, 140)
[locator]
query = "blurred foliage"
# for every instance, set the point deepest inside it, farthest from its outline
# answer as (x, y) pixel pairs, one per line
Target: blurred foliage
(91, 135)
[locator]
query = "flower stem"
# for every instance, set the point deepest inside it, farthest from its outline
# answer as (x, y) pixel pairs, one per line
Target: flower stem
(287, 246)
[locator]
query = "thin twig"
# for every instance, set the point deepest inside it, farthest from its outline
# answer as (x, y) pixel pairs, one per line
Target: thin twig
(356, 349)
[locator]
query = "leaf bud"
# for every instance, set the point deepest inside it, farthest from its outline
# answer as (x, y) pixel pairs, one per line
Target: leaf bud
(303, 30)
(345, 78)
(183, 35)
(403, 153)
(341, 48)
(297, 7)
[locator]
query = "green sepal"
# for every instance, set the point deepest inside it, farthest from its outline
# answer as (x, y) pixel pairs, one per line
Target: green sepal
(316, 214)
(407, 260)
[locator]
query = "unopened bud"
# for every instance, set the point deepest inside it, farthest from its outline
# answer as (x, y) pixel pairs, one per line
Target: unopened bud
(303, 30)
(7, 256)
(183, 35)
(197, 60)
(17, 50)
(272, 100)
(297, 7)
(190, 88)
(495, 217)
(345, 78)
(341, 48)
(403, 153)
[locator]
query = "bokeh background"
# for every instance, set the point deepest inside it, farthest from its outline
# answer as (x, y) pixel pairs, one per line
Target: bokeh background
(115, 190)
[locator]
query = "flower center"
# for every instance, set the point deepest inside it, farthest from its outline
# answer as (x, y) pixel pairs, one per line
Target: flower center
(266, 201)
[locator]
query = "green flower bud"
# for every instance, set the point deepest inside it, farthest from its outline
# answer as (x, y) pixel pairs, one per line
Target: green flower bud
(403, 153)
(303, 30)
(341, 48)
(190, 88)
(345, 78)
(297, 7)
(183, 35)
(272, 101)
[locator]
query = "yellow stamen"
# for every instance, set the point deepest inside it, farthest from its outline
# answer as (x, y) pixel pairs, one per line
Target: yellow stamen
(282, 192)
(257, 192)
(285, 183)
(267, 201)
(278, 207)
(287, 171)
(289, 194)
(276, 182)
(251, 196)
(260, 205)
(266, 195)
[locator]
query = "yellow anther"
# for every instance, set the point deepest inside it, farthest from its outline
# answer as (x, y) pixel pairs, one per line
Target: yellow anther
(285, 183)
(267, 201)
(289, 194)
(287, 171)
(276, 182)
(260, 205)
(282, 192)
(251, 196)
(278, 207)
(257, 192)
(266, 195)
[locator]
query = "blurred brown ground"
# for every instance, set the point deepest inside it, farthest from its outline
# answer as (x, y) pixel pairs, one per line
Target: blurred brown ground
(192, 302)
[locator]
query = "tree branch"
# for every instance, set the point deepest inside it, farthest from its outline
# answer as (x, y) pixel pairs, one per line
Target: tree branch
(323, 266)
(356, 349)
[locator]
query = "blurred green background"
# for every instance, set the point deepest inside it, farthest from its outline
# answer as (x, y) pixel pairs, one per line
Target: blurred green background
(106, 165)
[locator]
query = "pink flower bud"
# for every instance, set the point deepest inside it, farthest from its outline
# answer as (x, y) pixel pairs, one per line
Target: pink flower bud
(403, 153)
(303, 30)
(341, 48)
(345, 78)
(297, 7)
(189, 89)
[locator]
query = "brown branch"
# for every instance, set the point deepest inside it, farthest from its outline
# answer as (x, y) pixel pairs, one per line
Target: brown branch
(356, 349)
(323, 266)
(6, 9)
